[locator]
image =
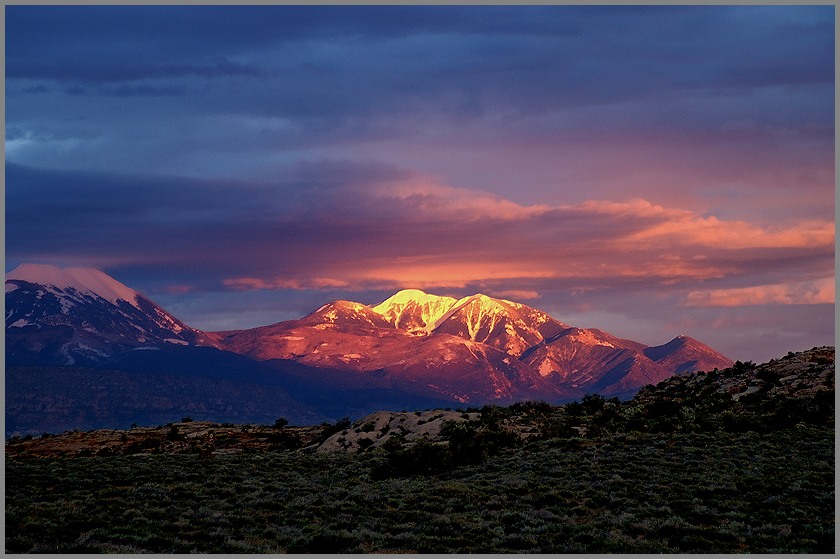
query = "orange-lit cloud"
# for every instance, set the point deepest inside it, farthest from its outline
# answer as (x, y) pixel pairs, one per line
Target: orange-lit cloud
(671, 224)
(417, 233)
(372, 231)
(430, 199)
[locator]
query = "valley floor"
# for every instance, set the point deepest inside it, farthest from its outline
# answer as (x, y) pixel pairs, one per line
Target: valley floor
(716, 492)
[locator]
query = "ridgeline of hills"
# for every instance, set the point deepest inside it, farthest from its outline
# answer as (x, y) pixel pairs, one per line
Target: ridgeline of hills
(797, 388)
(85, 351)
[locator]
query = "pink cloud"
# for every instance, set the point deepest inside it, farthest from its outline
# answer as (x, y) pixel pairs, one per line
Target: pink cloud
(686, 226)
(517, 294)
(414, 232)
(798, 293)
(253, 284)
(431, 199)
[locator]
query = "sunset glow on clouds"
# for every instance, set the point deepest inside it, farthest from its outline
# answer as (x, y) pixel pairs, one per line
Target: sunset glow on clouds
(457, 238)
(243, 166)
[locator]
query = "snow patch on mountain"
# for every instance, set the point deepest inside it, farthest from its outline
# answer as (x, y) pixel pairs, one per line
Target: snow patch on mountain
(176, 341)
(586, 337)
(83, 280)
(546, 367)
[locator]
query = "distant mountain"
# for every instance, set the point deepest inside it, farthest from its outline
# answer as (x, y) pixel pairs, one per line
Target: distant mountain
(475, 349)
(685, 355)
(358, 345)
(414, 349)
(78, 316)
(596, 362)
(85, 351)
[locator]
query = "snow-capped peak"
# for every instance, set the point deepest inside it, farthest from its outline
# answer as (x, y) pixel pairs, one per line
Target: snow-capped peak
(83, 280)
(414, 310)
(406, 296)
(484, 304)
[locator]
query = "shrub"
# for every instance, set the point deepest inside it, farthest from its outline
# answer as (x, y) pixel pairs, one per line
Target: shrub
(284, 440)
(768, 375)
(470, 443)
(422, 458)
(593, 403)
(740, 422)
(741, 367)
(330, 430)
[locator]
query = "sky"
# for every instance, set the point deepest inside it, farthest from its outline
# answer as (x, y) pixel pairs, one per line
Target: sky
(650, 171)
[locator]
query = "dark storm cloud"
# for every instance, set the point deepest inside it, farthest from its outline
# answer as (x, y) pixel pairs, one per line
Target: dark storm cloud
(343, 75)
(194, 221)
(236, 91)
(535, 57)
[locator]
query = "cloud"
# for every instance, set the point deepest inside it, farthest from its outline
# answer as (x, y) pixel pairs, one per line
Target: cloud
(797, 293)
(178, 289)
(249, 284)
(535, 99)
(518, 294)
(673, 224)
(359, 59)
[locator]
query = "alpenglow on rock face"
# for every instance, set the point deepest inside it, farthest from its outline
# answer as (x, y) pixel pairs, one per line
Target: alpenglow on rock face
(474, 349)
(414, 311)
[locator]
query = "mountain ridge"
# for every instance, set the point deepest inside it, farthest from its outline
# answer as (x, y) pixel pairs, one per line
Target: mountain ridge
(541, 351)
(472, 350)
(82, 316)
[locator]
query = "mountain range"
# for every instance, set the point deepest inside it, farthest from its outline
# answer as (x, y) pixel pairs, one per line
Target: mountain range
(412, 350)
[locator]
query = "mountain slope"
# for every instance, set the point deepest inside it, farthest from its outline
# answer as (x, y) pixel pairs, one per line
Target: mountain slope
(78, 316)
(505, 325)
(373, 353)
(684, 355)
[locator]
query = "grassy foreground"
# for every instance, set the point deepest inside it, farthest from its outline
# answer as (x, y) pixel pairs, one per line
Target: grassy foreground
(721, 492)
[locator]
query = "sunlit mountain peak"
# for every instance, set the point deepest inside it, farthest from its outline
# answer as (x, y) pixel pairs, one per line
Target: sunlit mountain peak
(414, 310)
